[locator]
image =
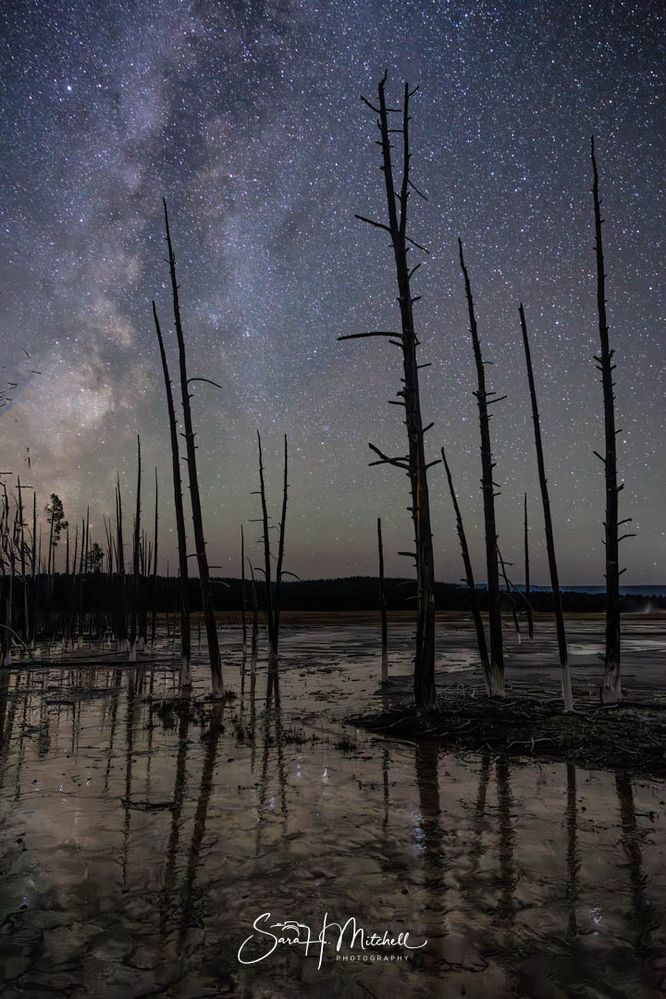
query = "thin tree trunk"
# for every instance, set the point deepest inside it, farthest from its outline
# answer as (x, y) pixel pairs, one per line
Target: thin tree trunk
(270, 623)
(382, 602)
(153, 621)
(136, 557)
(469, 576)
(183, 581)
(255, 613)
(509, 594)
(24, 579)
(122, 636)
(611, 685)
(567, 694)
(280, 556)
(33, 571)
(243, 608)
(49, 560)
(484, 399)
(526, 549)
(197, 516)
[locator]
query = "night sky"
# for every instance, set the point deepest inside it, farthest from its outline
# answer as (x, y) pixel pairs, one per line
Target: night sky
(247, 118)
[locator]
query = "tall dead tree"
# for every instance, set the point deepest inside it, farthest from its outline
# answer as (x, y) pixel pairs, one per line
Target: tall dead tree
(255, 613)
(279, 570)
(136, 559)
(195, 496)
(484, 400)
(567, 695)
(611, 685)
(183, 573)
(382, 602)
(243, 598)
(414, 462)
(272, 599)
(508, 586)
(153, 588)
(526, 551)
(469, 577)
(121, 629)
(266, 541)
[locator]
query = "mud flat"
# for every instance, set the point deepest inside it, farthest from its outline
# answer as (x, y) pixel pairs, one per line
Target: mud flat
(530, 721)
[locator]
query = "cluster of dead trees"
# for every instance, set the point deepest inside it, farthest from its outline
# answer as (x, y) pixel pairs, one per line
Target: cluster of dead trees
(393, 120)
(27, 580)
(272, 580)
(47, 576)
(25, 575)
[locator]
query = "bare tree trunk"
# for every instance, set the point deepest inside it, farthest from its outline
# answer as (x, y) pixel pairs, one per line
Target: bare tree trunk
(123, 642)
(33, 571)
(183, 572)
(268, 588)
(512, 602)
(243, 608)
(25, 625)
(136, 557)
(484, 400)
(567, 694)
(153, 621)
(197, 516)
(414, 463)
(86, 556)
(611, 685)
(280, 556)
(526, 549)
(49, 560)
(469, 576)
(382, 602)
(255, 613)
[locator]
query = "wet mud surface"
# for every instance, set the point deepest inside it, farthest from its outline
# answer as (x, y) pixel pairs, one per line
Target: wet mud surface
(142, 833)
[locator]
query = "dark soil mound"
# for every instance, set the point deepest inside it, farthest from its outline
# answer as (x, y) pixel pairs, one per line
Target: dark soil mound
(631, 737)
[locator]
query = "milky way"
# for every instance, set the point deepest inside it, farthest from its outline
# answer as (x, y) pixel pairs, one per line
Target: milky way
(247, 118)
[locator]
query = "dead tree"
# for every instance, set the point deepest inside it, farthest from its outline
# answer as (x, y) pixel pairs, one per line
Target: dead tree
(195, 497)
(279, 571)
(266, 541)
(183, 573)
(567, 695)
(136, 558)
(414, 462)
(512, 603)
(255, 613)
(243, 602)
(153, 622)
(382, 602)
(25, 624)
(526, 550)
(469, 577)
(123, 644)
(611, 685)
(272, 598)
(484, 400)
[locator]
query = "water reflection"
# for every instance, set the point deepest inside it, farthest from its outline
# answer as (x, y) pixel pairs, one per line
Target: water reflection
(573, 859)
(633, 841)
(212, 739)
(505, 833)
(167, 900)
(132, 811)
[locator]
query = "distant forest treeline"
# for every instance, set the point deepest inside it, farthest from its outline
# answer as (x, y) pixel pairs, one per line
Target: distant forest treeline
(360, 593)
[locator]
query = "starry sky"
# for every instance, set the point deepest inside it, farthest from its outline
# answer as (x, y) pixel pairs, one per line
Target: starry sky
(247, 118)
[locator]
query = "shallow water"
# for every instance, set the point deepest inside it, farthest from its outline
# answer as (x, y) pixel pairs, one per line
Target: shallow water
(138, 848)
